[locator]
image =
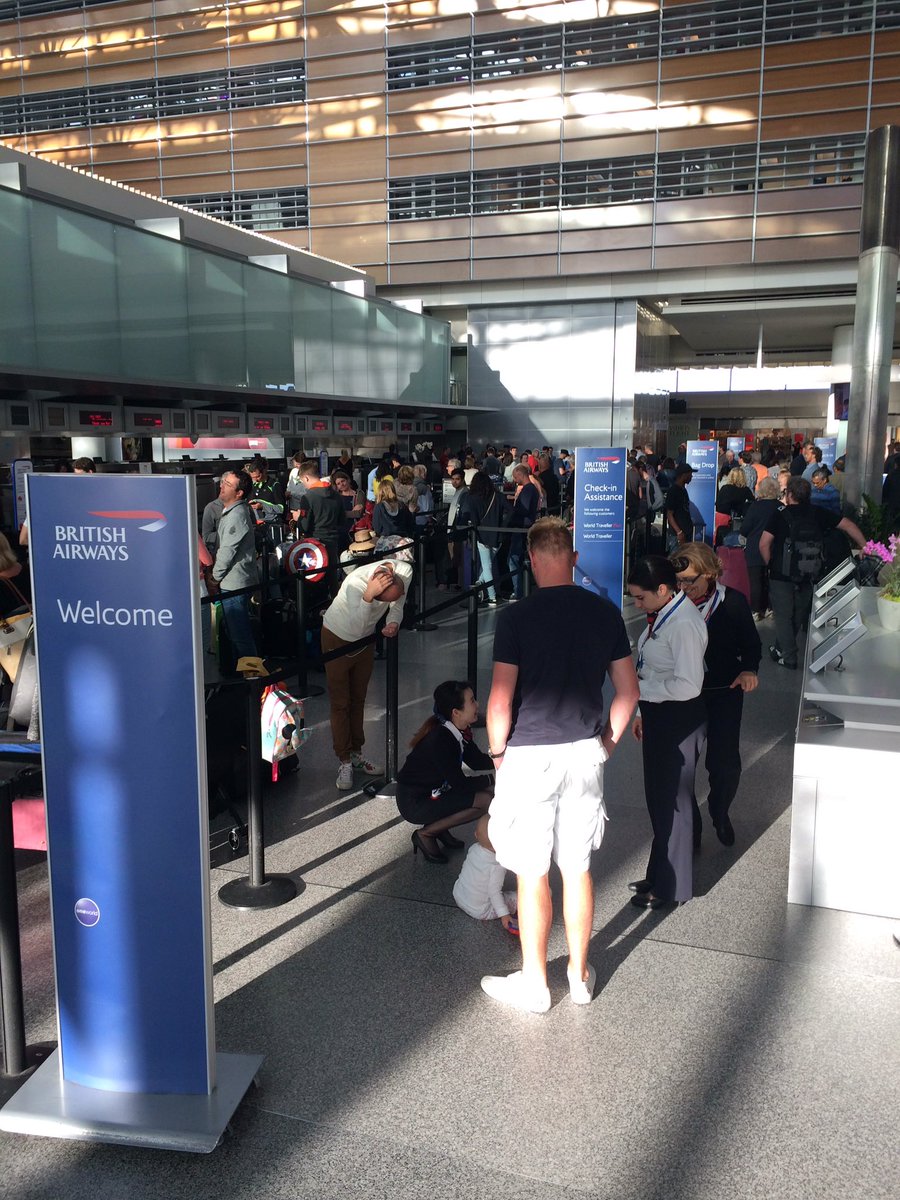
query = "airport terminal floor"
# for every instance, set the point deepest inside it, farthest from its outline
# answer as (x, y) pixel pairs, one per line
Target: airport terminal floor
(736, 1047)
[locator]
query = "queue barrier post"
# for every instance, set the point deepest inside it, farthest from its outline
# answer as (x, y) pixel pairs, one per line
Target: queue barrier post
(256, 890)
(300, 601)
(421, 625)
(526, 576)
(392, 707)
(19, 1060)
(472, 622)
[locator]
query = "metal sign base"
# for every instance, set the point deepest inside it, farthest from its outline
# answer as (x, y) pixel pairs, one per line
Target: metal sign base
(50, 1106)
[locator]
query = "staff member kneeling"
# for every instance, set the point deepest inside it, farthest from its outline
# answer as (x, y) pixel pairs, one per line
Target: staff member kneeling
(671, 727)
(432, 790)
(732, 662)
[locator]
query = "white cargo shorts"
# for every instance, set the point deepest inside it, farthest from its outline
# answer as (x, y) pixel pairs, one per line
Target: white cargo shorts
(548, 803)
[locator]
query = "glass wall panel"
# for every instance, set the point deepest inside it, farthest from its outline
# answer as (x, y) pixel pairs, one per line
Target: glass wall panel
(270, 359)
(350, 333)
(152, 306)
(384, 321)
(313, 342)
(17, 344)
(410, 358)
(75, 292)
(437, 364)
(216, 320)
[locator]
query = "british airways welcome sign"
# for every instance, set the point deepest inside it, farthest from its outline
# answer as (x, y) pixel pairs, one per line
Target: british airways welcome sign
(115, 586)
(599, 533)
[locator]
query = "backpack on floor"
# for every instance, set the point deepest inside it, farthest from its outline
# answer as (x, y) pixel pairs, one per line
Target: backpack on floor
(282, 726)
(803, 556)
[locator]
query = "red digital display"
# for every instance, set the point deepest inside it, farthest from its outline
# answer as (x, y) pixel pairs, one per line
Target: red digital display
(95, 418)
(406, 426)
(229, 422)
(263, 424)
(345, 426)
(147, 421)
(437, 427)
(387, 426)
(319, 426)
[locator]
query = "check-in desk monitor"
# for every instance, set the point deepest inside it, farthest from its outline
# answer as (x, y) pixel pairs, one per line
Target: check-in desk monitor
(836, 643)
(835, 578)
(828, 607)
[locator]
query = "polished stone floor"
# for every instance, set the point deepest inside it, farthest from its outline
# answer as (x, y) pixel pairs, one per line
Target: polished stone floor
(737, 1047)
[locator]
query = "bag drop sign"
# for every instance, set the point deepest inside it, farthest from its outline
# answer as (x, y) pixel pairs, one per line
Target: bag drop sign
(599, 533)
(117, 615)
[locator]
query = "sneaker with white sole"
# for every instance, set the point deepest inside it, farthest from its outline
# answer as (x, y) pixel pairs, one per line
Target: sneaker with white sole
(362, 764)
(515, 992)
(581, 991)
(344, 781)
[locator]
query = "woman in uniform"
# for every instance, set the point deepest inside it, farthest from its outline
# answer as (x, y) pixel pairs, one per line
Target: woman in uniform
(670, 727)
(732, 661)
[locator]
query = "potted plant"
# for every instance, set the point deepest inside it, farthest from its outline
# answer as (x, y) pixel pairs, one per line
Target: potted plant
(888, 599)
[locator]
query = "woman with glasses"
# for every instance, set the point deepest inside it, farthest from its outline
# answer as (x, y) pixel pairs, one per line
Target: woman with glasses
(670, 727)
(732, 661)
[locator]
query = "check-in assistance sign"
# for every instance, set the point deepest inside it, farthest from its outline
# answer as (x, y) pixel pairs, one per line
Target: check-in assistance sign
(599, 533)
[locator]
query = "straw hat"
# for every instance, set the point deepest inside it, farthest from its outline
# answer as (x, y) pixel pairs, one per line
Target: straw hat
(363, 541)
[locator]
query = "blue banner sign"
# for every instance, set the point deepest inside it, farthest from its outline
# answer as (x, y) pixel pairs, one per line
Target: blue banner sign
(599, 533)
(735, 444)
(828, 446)
(704, 458)
(115, 582)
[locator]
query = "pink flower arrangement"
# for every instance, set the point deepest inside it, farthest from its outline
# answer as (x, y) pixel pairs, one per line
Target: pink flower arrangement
(886, 553)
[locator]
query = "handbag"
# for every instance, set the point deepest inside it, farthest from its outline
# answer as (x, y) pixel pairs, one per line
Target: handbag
(15, 629)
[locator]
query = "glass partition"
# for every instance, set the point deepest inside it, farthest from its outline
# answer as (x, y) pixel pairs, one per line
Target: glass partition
(122, 304)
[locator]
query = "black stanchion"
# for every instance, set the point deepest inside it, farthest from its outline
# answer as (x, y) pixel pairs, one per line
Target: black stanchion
(472, 623)
(256, 890)
(300, 600)
(421, 625)
(19, 1060)
(305, 689)
(392, 707)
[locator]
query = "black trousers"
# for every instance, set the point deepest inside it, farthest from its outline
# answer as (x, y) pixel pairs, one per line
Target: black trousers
(759, 589)
(672, 735)
(724, 709)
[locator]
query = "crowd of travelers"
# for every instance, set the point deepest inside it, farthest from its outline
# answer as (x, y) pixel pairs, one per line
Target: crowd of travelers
(780, 522)
(536, 794)
(356, 510)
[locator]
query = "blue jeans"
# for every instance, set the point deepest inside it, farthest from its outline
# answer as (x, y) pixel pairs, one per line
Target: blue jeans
(487, 556)
(236, 611)
(515, 561)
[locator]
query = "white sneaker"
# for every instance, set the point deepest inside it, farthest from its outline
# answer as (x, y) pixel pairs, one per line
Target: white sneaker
(512, 990)
(344, 781)
(581, 991)
(362, 764)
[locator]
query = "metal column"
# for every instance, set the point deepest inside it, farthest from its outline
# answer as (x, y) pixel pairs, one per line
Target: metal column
(876, 303)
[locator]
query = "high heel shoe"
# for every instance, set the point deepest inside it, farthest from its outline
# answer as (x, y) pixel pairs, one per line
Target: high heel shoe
(446, 838)
(418, 844)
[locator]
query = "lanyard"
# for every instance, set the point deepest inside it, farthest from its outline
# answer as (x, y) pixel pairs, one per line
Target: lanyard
(656, 628)
(712, 604)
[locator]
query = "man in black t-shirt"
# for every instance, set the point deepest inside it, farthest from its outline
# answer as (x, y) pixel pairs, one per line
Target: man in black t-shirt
(791, 594)
(548, 740)
(678, 509)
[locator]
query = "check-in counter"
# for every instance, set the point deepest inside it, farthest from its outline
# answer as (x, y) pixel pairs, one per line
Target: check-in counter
(845, 825)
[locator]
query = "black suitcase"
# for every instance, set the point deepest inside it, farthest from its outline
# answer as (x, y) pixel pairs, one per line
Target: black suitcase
(278, 621)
